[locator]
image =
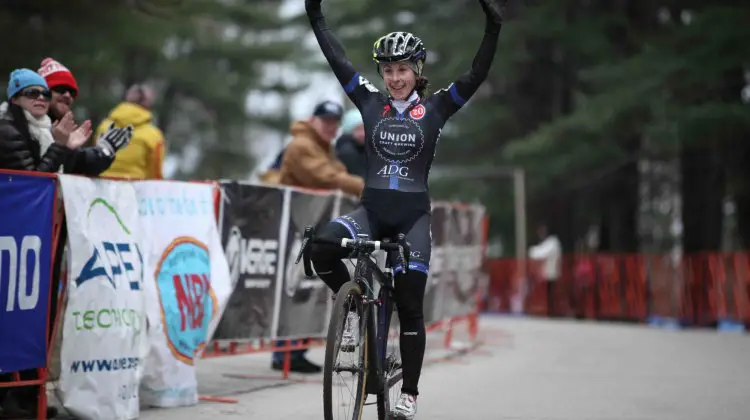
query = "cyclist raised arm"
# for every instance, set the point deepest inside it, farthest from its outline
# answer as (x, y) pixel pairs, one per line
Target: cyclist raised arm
(356, 86)
(401, 133)
(460, 91)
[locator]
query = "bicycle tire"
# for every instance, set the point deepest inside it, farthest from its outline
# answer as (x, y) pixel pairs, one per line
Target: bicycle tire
(335, 330)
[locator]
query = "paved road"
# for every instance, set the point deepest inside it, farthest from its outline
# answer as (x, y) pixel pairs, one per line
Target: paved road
(528, 370)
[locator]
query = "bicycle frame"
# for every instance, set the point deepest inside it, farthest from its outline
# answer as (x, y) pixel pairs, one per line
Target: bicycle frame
(380, 311)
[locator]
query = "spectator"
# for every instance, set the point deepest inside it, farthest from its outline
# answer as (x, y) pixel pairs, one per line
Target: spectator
(350, 147)
(309, 161)
(144, 156)
(90, 161)
(273, 174)
(549, 252)
(29, 141)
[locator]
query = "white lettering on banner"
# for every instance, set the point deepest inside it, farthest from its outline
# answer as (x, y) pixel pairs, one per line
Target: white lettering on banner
(18, 275)
(257, 284)
(174, 206)
(251, 257)
(394, 170)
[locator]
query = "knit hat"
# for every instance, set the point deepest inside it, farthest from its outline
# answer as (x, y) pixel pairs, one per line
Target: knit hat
(57, 75)
(20, 79)
(351, 120)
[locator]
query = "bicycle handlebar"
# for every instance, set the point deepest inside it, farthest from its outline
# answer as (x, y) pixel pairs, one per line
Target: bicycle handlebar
(358, 244)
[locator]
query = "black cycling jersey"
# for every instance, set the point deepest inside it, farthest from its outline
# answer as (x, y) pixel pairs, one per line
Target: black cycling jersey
(400, 146)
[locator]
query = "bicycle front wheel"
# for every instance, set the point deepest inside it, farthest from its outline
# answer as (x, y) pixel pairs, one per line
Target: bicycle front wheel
(344, 380)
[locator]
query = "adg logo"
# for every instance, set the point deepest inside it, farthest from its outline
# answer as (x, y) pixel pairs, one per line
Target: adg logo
(113, 260)
(188, 303)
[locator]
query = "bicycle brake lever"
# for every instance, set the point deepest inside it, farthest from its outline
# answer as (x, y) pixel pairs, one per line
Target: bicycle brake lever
(304, 252)
(305, 242)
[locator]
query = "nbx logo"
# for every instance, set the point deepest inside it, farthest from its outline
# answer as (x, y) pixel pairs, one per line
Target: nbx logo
(117, 255)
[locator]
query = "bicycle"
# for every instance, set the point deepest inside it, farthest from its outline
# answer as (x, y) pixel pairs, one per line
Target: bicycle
(372, 338)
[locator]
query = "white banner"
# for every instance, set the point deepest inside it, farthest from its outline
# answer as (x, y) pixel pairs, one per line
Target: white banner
(187, 285)
(104, 328)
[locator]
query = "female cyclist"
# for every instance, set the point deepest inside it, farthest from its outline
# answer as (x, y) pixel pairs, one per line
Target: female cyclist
(402, 131)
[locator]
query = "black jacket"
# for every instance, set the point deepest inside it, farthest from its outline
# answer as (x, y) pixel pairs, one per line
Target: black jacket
(20, 152)
(351, 154)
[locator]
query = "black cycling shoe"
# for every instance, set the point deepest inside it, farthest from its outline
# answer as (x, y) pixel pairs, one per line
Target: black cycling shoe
(300, 365)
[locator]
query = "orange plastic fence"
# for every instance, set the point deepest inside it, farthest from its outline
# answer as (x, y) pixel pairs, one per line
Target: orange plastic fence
(698, 290)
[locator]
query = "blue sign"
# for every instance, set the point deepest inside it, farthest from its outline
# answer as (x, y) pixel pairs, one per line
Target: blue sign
(27, 208)
(188, 302)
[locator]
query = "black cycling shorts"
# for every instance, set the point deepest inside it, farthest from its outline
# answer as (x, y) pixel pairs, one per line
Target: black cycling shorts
(361, 221)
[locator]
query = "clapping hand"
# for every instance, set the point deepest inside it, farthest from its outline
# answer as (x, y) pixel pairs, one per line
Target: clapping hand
(79, 136)
(62, 128)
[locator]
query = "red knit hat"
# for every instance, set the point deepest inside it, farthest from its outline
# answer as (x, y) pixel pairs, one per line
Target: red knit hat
(57, 75)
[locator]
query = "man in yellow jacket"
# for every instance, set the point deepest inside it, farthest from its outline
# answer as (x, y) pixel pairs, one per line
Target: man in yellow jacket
(144, 156)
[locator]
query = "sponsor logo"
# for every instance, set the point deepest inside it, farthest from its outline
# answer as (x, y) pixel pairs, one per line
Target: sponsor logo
(188, 303)
(253, 257)
(418, 112)
(398, 141)
(401, 172)
(107, 318)
(112, 261)
(174, 206)
(105, 365)
(22, 271)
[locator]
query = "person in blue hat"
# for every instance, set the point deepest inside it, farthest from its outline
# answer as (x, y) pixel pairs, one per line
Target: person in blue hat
(28, 139)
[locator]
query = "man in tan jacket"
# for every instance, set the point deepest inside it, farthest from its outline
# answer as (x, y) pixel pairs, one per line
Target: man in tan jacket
(310, 161)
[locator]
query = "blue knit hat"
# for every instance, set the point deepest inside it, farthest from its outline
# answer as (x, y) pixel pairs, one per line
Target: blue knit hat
(351, 120)
(20, 79)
